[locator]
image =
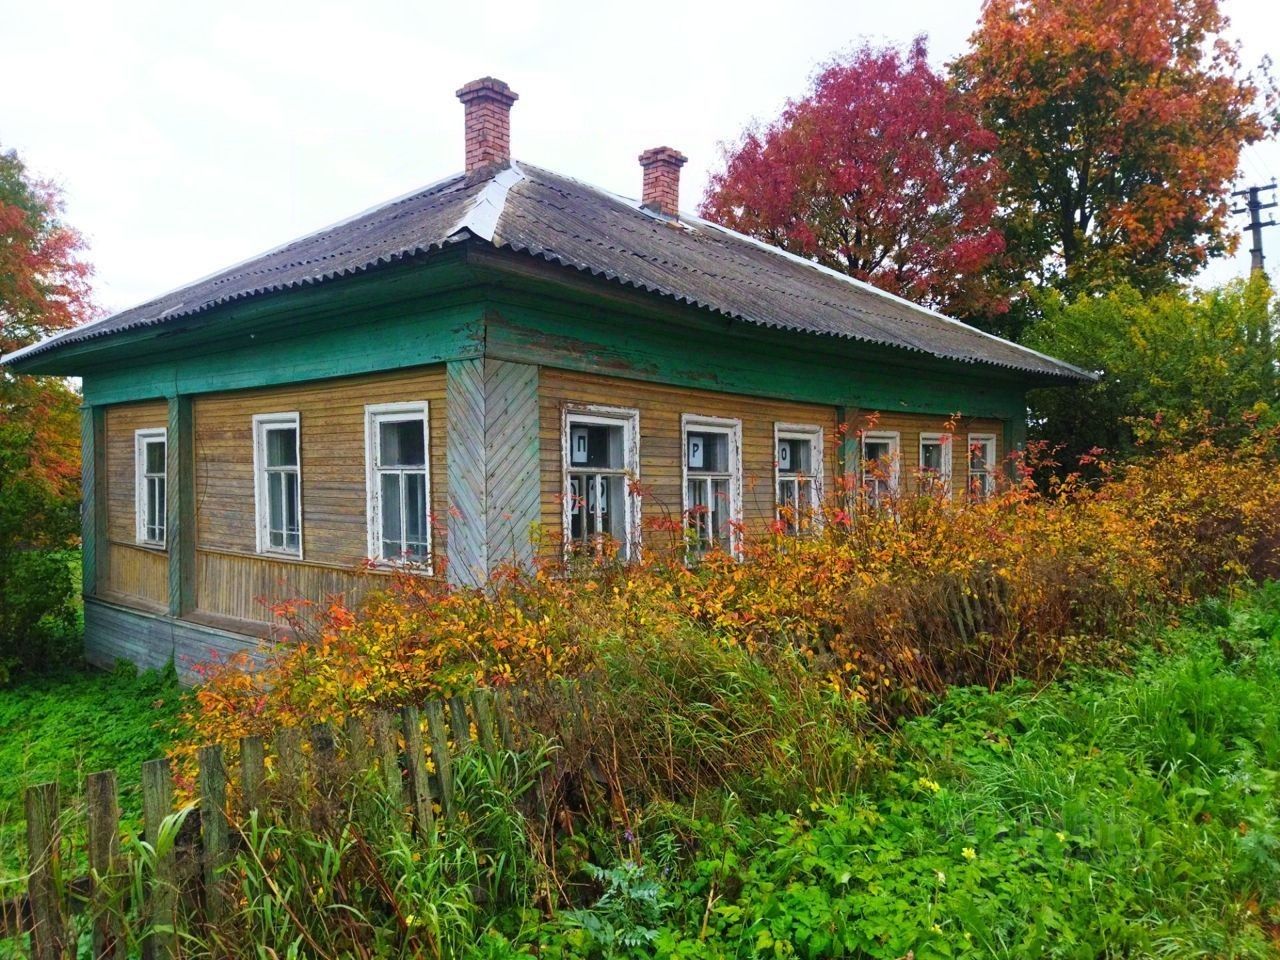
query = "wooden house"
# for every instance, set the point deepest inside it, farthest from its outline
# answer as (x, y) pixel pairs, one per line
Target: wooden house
(504, 350)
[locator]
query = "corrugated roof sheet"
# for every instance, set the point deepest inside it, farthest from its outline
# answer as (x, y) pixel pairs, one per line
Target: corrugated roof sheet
(534, 211)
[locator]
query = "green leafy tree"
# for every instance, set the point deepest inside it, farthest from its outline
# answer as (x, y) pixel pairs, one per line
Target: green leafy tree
(44, 288)
(1175, 365)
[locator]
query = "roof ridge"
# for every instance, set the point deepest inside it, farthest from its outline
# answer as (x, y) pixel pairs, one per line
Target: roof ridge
(486, 207)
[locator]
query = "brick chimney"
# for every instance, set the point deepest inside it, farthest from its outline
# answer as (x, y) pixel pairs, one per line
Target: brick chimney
(488, 123)
(661, 191)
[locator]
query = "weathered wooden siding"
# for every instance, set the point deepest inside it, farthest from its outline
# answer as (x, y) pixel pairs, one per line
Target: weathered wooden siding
(493, 465)
(151, 640)
(121, 422)
(660, 409)
(137, 575)
(134, 574)
(334, 523)
(910, 426)
(244, 588)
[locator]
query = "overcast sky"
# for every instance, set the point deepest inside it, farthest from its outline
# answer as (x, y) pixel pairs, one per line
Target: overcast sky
(190, 136)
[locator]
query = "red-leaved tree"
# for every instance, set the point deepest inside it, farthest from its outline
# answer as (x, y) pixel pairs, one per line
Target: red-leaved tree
(880, 172)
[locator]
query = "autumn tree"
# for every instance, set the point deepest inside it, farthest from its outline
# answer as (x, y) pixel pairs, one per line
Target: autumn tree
(44, 288)
(880, 172)
(1120, 125)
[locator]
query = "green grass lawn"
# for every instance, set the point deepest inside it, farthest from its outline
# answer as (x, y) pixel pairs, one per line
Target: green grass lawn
(71, 723)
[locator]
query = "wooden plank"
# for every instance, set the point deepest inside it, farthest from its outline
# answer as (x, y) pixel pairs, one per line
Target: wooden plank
(180, 502)
(215, 836)
(468, 557)
(504, 714)
(287, 744)
(416, 765)
(102, 805)
(511, 466)
(384, 745)
(253, 773)
(459, 723)
(93, 507)
(481, 707)
(356, 737)
(440, 754)
(161, 907)
(50, 939)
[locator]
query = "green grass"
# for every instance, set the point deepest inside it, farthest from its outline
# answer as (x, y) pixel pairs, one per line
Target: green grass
(67, 724)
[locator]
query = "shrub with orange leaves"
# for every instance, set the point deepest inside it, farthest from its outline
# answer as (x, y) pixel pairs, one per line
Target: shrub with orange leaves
(887, 603)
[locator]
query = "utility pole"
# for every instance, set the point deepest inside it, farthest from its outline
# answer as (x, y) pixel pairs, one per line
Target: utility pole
(1253, 207)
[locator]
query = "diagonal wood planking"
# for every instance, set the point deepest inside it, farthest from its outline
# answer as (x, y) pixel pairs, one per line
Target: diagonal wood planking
(493, 465)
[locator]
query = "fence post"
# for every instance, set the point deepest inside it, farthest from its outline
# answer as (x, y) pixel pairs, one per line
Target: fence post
(103, 802)
(253, 771)
(504, 710)
(384, 744)
(214, 832)
(416, 763)
(162, 901)
(440, 753)
(458, 720)
(481, 708)
(49, 939)
(357, 739)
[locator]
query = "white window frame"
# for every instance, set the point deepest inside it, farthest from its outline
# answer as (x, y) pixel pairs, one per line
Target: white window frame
(593, 414)
(989, 442)
(140, 485)
(732, 428)
(261, 423)
(945, 441)
(374, 414)
(894, 439)
(801, 431)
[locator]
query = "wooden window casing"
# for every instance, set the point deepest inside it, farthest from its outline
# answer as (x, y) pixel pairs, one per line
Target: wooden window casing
(406, 475)
(278, 483)
(935, 464)
(981, 459)
(879, 467)
(600, 496)
(150, 485)
(712, 503)
(797, 475)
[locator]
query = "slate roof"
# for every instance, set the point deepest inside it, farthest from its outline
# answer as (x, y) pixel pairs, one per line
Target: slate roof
(534, 211)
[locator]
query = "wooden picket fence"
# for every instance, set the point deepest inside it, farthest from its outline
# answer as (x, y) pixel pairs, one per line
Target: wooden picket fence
(412, 753)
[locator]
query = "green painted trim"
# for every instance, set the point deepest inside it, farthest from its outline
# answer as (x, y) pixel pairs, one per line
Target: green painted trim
(733, 358)
(180, 510)
(389, 291)
(354, 344)
(93, 496)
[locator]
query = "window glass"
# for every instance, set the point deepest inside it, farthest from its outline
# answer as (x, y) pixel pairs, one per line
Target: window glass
(282, 447)
(402, 443)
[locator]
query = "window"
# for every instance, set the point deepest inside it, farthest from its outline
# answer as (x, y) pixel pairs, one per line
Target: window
(149, 485)
(982, 465)
(935, 464)
(398, 483)
(798, 472)
(879, 466)
(278, 483)
(712, 482)
(601, 459)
